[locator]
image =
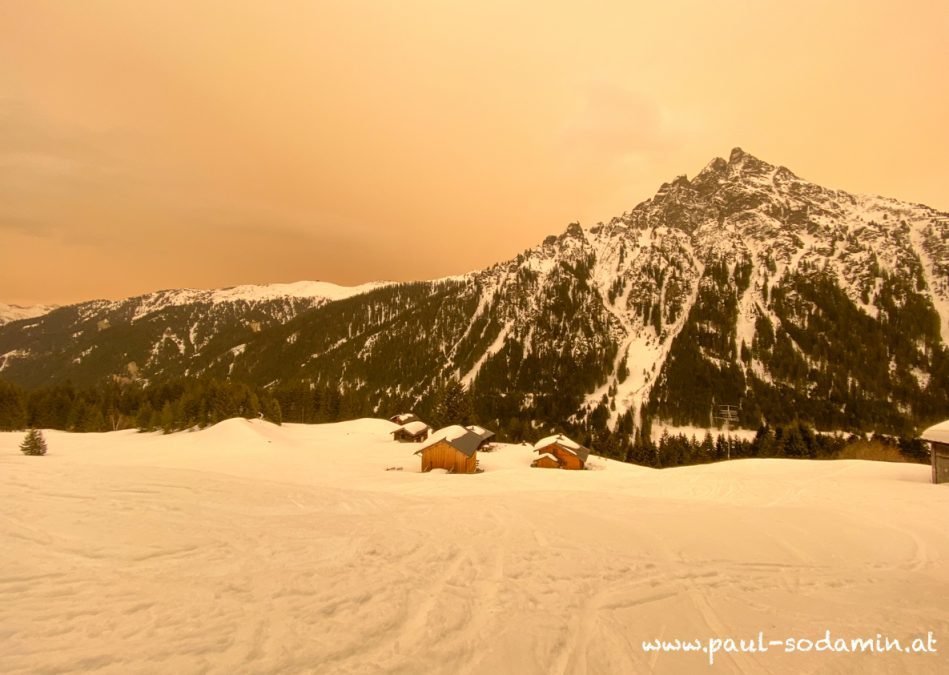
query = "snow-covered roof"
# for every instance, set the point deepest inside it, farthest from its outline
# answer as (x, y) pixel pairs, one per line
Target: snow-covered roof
(481, 432)
(451, 433)
(938, 433)
(567, 444)
(457, 436)
(560, 440)
(413, 428)
(548, 455)
(403, 418)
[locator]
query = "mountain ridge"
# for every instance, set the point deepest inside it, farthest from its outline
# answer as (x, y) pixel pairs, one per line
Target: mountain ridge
(744, 278)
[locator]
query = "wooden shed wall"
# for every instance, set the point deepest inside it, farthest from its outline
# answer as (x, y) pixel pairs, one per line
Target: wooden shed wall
(940, 461)
(568, 460)
(444, 456)
(545, 463)
(403, 436)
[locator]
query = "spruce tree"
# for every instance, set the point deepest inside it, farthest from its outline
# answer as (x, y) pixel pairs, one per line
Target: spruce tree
(453, 405)
(143, 419)
(167, 418)
(34, 443)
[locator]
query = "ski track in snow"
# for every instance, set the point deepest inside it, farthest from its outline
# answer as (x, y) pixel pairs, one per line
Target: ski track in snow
(253, 548)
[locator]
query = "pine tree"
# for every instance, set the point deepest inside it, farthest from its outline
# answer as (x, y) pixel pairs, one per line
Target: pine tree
(34, 443)
(154, 423)
(453, 405)
(167, 419)
(143, 419)
(707, 448)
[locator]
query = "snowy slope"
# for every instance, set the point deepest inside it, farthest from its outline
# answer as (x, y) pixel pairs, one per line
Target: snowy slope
(316, 292)
(10, 313)
(253, 548)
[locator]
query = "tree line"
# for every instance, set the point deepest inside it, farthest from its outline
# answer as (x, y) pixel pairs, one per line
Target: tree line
(188, 403)
(111, 406)
(796, 440)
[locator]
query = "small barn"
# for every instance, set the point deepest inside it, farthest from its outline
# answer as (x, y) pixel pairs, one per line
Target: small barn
(567, 453)
(938, 437)
(404, 418)
(412, 432)
(453, 448)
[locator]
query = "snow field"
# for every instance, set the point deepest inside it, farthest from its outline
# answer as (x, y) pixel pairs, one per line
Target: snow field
(249, 548)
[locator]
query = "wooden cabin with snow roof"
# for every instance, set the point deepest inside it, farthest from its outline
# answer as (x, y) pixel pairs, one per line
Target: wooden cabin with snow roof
(560, 452)
(453, 448)
(411, 432)
(938, 437)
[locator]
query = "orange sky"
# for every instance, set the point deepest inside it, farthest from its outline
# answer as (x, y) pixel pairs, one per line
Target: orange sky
(148, 145)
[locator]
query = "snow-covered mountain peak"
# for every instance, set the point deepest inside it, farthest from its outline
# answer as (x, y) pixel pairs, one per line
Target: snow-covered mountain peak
(300, 289)
(312, 293)
(743, 218)
(10, 313)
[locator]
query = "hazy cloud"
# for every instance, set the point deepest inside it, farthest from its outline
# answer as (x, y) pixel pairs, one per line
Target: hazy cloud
(614, 124)
(143, 147)
(30, 139)
(10, 223)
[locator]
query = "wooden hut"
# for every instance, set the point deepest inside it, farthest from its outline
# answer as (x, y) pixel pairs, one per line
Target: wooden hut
(567, 453)
(413, 432)
(453, 448)
(938, 437)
